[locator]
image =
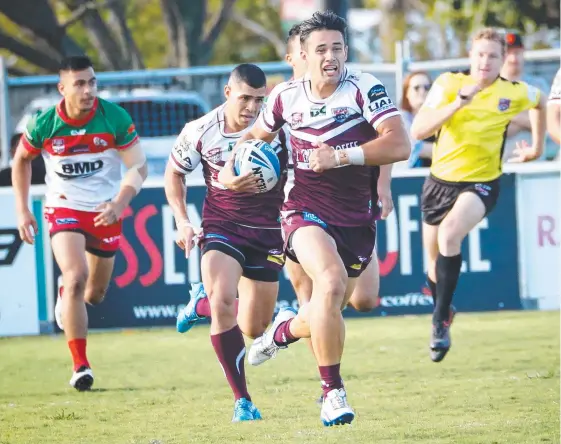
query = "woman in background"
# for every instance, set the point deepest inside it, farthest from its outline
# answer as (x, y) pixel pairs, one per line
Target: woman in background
(416, 86)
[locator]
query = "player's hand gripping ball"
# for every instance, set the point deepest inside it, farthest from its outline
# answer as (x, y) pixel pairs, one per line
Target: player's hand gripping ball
(258, 157)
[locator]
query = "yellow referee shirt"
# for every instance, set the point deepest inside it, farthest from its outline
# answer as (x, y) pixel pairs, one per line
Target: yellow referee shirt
(470, 145)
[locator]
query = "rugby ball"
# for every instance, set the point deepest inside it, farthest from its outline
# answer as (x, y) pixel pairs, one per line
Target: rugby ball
(259, 158)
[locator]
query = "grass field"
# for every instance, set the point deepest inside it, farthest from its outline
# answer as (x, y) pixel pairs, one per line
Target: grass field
(499, 384)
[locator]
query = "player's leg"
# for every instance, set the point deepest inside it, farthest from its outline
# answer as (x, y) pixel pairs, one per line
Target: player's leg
(221, 268)
(365, 296)
(302, 285)
(100, 272)
(69, 249)
(430, 245)
(467, 212)
(257, 301)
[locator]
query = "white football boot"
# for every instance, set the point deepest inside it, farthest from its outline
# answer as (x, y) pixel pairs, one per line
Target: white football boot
(335, 409)
(264, 347)
(82, 379)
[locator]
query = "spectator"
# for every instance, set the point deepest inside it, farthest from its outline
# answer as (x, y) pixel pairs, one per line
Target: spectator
(554, 109)
(513, 70)
(416, 86)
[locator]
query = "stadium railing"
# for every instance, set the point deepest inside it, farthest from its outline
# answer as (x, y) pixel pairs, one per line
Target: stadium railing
(17, 92)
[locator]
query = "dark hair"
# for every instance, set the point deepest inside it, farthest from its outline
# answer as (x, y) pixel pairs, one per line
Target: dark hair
(75, 63)
(249, 74)
(293, 34)
(327, 20)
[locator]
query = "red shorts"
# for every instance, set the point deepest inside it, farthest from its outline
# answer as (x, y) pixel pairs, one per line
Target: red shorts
(101, 241)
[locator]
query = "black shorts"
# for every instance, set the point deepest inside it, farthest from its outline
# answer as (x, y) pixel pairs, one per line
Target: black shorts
(439, 196)
(258, 251)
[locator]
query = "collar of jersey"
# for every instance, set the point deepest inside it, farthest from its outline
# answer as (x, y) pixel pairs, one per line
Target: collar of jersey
(61, 111)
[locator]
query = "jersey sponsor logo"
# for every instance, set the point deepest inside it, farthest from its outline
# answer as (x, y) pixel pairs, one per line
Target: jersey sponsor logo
(10, 243)
(231, 146)
(276, 256)
(111, 240)
(58, 146)
(504, 104)
(377, 92)
(341, 114)
(131, 129)
(66, 221)
(381, 105)
(313, 218)
(482, 189)
(183, 152)
(79, 149)
(318, 111)
(99, 141)
(80, 170)
(79, 132)
(296, 120)
(344, 146)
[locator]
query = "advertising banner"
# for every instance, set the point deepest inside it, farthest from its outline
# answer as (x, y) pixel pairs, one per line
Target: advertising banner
(539, 236)
(152, 276)
(18, 280)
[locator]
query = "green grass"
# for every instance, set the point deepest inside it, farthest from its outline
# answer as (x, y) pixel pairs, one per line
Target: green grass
(499, 384)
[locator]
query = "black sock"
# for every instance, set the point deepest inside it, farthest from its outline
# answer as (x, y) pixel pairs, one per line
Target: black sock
(432, 287)
(447, 274)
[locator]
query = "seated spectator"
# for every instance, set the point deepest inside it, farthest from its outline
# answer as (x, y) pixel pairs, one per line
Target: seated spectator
(513, 70)
(415, 89)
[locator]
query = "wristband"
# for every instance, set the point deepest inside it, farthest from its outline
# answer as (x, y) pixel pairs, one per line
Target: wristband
(356, 155)
(337, 158)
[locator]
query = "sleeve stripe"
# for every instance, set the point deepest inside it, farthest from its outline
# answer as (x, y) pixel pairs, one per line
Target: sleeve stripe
(376, 120)
(180, 168)
(28, 146)
(128, 145)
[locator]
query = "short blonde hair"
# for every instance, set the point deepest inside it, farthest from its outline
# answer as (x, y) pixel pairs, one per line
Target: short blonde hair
(491, 34)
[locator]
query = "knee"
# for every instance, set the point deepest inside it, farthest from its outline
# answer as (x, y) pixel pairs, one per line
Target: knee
(449, 239)
(95, 295)
(75, 283)
(364, 303)
(332, 285)
(222, 302)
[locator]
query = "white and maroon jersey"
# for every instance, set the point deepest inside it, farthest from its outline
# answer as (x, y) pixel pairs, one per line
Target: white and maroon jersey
(205, 141)
(555, 93)
(346, 119)
(81, 156)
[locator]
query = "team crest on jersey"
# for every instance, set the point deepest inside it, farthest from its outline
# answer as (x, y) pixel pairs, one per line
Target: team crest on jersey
(504, 104)
(214, 155)
(99, 141)
(340, 114)
(58, 146)
(296, 120)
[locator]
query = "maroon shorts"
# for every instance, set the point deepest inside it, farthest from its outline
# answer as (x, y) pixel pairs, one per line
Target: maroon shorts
(354, 244)
(102, 241)
(259, 251)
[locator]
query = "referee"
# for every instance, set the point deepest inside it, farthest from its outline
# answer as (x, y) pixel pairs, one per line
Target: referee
(469, 112)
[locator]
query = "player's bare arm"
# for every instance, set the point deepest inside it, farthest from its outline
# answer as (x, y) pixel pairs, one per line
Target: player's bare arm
(176, 195)
(135, 161)
(384, 190)
(538, 121)
(21, 180)
(554, 121)
(428, 121)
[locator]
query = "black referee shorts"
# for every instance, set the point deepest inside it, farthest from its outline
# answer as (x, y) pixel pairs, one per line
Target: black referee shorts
(439, 196)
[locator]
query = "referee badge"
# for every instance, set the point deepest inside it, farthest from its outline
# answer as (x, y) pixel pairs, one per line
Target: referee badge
(504, 104)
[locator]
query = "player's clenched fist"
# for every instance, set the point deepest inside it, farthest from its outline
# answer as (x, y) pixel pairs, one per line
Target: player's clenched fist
(27, 226)
(110, 213)
(323, 158)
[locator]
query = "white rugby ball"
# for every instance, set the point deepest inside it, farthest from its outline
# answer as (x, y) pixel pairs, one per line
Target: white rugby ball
(259, 158)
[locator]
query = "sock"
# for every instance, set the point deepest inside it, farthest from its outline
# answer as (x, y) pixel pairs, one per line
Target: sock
(229, 347)
(203, 307)
(447, 274)
(78, 350)
(330, 378)
(282, 334)
(432, 287)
